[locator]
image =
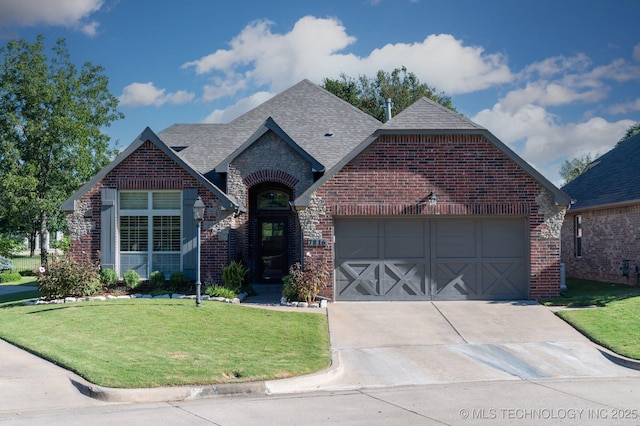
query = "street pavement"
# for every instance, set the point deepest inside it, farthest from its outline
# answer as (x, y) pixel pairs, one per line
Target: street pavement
(413, 362)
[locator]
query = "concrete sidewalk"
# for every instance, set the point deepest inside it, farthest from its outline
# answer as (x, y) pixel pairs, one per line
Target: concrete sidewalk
(374, 345)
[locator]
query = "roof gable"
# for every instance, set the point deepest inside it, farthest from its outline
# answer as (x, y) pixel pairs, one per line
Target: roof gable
(428, 117)
(148, 136)
(321, 124)
(614, 178)
(270, 125)
(428, 114)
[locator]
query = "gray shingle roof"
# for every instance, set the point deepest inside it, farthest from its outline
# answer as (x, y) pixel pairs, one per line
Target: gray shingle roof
(425, 114)
(306, 112)
(611, 179)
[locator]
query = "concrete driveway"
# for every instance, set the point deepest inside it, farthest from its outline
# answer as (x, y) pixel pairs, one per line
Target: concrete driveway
(381, 344)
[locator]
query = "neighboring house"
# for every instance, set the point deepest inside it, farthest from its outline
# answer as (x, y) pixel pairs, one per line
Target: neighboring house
(426, 206)
(602, 228)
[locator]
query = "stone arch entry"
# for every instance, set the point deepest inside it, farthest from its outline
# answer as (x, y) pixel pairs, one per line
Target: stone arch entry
(272, 232)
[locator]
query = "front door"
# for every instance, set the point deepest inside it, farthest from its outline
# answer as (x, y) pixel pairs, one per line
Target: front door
(272, 256)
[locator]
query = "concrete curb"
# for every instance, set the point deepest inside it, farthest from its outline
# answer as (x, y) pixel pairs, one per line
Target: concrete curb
(309, 382)
(168, 394)
(619, 359)
(306, 383)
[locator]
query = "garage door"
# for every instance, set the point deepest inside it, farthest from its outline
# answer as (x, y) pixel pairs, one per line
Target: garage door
(431, 259)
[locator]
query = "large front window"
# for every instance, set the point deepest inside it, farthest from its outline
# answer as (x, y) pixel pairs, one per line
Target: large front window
(150, 227)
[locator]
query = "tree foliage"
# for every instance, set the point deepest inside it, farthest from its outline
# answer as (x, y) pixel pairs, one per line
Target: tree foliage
(571, 169)
(633, 130)
(369, 93)
(51, 138)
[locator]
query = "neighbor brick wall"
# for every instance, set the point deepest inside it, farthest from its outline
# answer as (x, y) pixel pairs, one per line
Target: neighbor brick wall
(470, 177)
(148, 168)
(608, 236)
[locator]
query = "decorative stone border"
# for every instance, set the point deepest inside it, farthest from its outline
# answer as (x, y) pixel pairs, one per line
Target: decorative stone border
(235, 300)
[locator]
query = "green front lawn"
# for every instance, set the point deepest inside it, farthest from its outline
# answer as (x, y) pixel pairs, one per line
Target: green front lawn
(135, 343)
(614, 322)
(615, 326)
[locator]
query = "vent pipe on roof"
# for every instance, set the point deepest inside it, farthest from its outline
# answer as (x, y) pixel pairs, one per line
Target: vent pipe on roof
(387, 108)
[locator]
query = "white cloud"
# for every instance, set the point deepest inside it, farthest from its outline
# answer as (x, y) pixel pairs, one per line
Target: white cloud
(444, 62)
(144, 94)
(312, 50)
(239, 108)
(538, 137)
(67, 13)
(636, 52)
(625, 108)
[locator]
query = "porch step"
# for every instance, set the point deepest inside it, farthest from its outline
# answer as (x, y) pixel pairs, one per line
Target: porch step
(267, 288)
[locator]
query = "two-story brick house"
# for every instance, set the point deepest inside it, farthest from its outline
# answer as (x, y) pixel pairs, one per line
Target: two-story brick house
(428, 205)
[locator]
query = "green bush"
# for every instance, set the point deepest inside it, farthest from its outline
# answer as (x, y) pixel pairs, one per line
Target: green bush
(64, 244)
(287, 289)
(307, 283)
(217, 291)
(157, 279)
(109, 277)
(5, 264)
(9, 245)
(131, 279)
(7, 277)
(179, 281)
(234, 276)
(69, 277)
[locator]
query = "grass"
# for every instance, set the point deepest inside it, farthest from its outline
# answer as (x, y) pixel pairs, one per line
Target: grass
(591, 293)
(135, 343)
(615, 323)
(615, 326)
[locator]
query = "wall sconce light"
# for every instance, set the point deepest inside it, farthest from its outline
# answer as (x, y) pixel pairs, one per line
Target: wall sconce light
(433, 198)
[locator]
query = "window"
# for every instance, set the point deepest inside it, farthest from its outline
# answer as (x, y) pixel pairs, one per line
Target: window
(578, 235)
(273, 200)
(150, 232)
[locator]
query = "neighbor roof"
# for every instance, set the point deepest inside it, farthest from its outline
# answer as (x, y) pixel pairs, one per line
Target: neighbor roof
(614, 178)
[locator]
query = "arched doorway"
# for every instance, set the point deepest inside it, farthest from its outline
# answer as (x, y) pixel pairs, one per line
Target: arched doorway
(272, 233)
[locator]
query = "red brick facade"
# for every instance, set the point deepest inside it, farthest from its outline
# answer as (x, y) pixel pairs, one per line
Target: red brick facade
(148, 169)
(468, 173)
(608, 236)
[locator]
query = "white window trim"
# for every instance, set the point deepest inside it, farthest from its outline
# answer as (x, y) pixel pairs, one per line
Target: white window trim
(150, 213)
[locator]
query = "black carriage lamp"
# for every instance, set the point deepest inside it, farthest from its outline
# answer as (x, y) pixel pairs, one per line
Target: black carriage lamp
(198, 216)
(433, 198)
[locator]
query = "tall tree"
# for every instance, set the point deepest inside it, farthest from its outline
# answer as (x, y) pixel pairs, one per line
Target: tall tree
(571, 169)
(633, 130)
(370, 93)
(51, 138)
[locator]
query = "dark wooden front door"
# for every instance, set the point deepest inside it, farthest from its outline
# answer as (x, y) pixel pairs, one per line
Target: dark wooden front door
(272, 255)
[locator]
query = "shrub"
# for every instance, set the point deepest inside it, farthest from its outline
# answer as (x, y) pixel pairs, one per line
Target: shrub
(63, 245)
(131, 279)
(69, 277)
(109, 277)
(157, 279)
(9, 245)
(234, 275)
(307, 283)
(7, 277)
(217, 291)
(5, 264)
(179, 280)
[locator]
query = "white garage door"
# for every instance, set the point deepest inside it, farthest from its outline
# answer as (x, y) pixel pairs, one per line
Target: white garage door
(431, 259)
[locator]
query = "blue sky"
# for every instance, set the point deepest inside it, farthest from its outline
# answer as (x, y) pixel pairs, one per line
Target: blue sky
(551, 79)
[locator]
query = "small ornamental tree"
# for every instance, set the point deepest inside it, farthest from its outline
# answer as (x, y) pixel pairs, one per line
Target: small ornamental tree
(308, 282)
